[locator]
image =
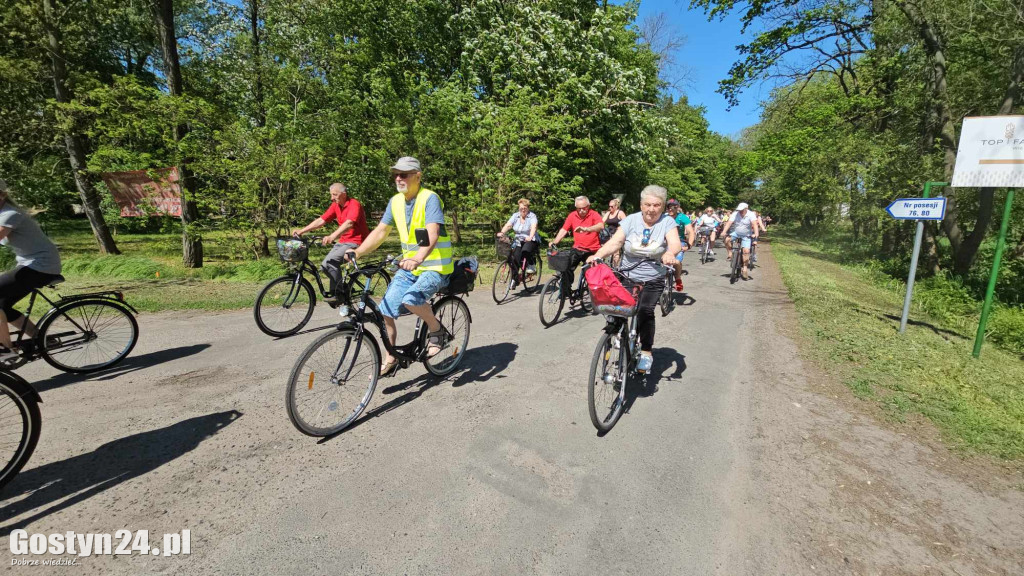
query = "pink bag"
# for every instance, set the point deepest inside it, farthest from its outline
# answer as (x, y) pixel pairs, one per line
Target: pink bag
(608, 294)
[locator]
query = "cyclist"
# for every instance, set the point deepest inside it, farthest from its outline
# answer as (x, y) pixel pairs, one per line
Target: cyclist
(744, 228)
(426, 263)
(686, 236)
(612, 218)
(649, 241)
(707, 225)
(585, 224)
(37, 264)
(351, 232)
(761, 229)
(524, 223)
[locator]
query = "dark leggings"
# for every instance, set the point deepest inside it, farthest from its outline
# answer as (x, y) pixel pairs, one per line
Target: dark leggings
(528, 249)
(16, 284)
(577, 256)
(645, 316)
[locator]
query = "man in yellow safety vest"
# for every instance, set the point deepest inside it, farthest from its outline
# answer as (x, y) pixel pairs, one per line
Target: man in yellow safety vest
(418, 214)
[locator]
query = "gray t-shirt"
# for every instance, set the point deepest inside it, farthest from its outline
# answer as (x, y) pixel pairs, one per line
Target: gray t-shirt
(30, 246)
(647, 257)
(742, 226)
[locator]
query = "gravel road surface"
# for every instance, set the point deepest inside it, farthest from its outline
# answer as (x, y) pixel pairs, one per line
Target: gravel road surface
(738, 459)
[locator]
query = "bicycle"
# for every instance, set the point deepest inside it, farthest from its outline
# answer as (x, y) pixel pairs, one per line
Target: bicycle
(285, 304)
(737, 260)
(20, 423)
(705, 247)
(334, 378)
(552, 300)
(614, 362)
(80, 334)
(504, 280)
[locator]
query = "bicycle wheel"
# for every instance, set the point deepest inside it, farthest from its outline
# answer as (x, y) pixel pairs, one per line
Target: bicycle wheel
(502, 283)
(332, 382)
(585, 301)
(737, 263)
(20, 423)
(606, 392)
(705, 250)
(667, 300)
(85, 336)
(453, 314)
(283, 307)
(536, 277)
(551, 301)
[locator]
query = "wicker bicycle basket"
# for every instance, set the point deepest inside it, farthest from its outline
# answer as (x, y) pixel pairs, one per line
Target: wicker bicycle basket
(292, 249)
(503, 248)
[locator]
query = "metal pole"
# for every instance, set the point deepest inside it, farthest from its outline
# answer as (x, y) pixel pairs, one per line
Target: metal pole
(990, 292)
(913, 273)
(913, 259)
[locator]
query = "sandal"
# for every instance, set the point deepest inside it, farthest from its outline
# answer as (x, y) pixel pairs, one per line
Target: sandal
(435, 341)
(388, 367)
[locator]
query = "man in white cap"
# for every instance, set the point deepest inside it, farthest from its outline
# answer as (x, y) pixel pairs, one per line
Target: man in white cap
(743, 226)
(418, 215)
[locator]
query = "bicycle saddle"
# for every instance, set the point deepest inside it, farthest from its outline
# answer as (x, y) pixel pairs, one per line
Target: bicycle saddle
(56, 281)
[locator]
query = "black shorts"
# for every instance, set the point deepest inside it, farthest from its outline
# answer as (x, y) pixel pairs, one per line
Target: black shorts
(16, 284)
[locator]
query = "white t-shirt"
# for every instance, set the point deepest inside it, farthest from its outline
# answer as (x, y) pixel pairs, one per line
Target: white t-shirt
(742, 226)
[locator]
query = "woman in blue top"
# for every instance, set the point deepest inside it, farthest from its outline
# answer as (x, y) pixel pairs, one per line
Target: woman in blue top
(524, 223)
(649, 241)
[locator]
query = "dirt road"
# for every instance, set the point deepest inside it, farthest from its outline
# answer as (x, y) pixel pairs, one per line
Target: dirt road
(741, 461)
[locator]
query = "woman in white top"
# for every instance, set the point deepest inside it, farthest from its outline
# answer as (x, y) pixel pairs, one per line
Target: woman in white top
(649, 241)
(524, 223)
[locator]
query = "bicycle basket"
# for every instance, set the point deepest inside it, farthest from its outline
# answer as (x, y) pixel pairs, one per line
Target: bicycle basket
(292, 249)
(610, 294)
(559, 260)
(502, 248)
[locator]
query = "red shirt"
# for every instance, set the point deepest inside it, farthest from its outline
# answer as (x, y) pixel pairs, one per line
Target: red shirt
(351, 210)
(589, 241)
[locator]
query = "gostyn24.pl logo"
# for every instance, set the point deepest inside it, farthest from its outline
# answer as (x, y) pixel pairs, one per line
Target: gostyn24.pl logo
(122, 542)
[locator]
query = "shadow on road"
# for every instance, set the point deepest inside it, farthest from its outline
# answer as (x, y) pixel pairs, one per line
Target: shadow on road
(479, 365)
(308, 331)
(665, 359)
(53, 487)
(128, 365)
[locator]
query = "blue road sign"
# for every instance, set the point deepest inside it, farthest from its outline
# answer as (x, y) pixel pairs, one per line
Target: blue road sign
(918, 209)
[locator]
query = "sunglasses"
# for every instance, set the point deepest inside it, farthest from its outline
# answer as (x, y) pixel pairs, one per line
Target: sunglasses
(647, 237)
(403, 175)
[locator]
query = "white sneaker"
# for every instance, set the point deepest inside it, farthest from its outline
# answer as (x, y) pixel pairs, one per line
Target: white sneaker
(531, 270)
(645, 363)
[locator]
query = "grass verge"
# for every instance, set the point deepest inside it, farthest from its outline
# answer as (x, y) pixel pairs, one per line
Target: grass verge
(853, 320)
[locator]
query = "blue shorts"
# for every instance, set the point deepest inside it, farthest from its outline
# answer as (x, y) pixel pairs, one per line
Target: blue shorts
(744, 242)
(407, 289)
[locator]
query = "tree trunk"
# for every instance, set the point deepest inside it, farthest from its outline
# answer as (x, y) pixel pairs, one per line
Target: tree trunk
(456, 229)
(191, 240)
(73, 142)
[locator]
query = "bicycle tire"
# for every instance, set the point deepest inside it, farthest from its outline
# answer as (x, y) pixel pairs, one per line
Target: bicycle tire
(585, 301)
(737, 263)
(551, 302)
(536, 277)
(119, 341)
(17, 402)
(303, 377)
(453, 314)
(667, 301)
(502, 283)
(706, 249)
(598, 398)
(270, 304)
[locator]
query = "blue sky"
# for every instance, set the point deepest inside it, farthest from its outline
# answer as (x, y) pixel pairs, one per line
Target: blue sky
(709, 51)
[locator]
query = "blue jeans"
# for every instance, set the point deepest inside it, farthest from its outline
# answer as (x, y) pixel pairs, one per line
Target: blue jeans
(407, 289)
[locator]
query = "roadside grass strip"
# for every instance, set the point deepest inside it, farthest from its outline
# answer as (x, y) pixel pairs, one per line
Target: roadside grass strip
(853, 322)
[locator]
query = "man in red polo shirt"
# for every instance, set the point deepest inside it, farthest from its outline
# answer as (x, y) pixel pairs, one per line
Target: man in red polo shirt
(585, 225)
(351, 232)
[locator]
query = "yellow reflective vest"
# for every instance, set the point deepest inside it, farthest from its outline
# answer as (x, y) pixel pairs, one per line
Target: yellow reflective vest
(440, 258)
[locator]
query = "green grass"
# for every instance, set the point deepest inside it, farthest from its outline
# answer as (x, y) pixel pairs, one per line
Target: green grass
(150, 273)
(851, 314)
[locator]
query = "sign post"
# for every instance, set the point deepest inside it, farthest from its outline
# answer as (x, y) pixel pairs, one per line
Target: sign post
(919, 209)
(991, 153)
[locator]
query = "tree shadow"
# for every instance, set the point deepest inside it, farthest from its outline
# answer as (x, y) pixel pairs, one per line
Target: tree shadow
(81, 477)
(479, 365)
(127, 366)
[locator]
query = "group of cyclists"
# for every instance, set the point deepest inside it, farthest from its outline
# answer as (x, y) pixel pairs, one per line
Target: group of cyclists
(645, 245)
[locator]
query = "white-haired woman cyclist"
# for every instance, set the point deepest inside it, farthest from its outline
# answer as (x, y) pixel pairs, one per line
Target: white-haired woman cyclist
(649, 240)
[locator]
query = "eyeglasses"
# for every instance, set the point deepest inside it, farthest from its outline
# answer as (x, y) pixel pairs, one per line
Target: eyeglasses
(647, 237)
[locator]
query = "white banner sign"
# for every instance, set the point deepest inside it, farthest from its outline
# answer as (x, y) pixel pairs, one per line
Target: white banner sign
(991, 152)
